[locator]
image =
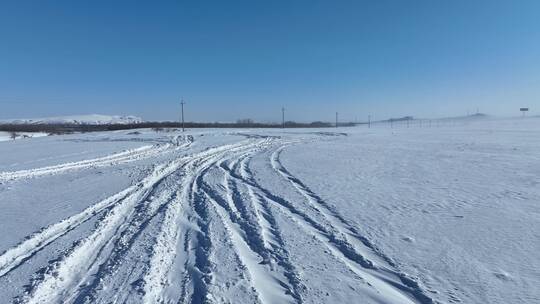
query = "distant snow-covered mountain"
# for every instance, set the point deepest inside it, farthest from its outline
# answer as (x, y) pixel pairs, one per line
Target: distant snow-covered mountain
(92, 119)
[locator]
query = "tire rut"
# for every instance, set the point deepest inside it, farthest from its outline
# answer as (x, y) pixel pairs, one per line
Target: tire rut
(385, 281)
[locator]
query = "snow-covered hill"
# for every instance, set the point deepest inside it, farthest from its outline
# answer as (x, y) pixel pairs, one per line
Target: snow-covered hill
(91, 119)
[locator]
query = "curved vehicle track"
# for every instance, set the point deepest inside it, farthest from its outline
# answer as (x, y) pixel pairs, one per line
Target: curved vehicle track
(127, 156)
(197, 229)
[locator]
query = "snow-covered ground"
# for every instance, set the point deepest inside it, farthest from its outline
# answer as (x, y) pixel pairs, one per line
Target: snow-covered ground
(441, 214)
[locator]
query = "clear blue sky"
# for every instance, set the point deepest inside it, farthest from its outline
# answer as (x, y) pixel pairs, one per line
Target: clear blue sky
(240, 59)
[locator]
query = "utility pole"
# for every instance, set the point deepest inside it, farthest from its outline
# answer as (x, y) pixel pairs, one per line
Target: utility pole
(336, 119)
(283, 117)
(369, 121)
(182, 103)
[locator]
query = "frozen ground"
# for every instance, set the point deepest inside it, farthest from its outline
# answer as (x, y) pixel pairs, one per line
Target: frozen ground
(447, 214)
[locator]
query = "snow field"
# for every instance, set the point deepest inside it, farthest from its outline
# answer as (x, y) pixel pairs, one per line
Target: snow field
(295, 216)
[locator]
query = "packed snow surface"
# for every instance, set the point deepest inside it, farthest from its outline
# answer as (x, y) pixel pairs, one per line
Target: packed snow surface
(388, 214)
(91, 119)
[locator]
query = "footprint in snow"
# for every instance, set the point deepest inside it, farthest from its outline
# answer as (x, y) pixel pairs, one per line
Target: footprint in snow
(408, 239)
(502, 275)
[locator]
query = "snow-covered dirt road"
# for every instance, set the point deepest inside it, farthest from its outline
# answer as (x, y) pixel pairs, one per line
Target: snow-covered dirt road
(223, 216)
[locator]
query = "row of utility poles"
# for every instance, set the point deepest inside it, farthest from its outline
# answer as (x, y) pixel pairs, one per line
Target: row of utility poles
(283, 118)
(337, 119)
(368, 121)
(182, 103)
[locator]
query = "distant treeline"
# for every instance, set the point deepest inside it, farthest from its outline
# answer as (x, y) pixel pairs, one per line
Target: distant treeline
(404, 118)
(69, 128)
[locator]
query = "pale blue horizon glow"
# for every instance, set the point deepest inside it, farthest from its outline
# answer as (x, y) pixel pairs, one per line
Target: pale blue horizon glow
(247, 59)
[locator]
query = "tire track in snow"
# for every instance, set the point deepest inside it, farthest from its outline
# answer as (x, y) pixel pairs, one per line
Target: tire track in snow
(271, 233)
(109, 160)
(194, 259)
(14, 256)
(384, 285)
(336, 220)
(185, 225)
(156, 279)
(178, 265)
(246, 216)
(60, 277)
(257, 246)
(106, 276)
(63, 274)
(268, 285)
(373, 258)
(206, 197)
